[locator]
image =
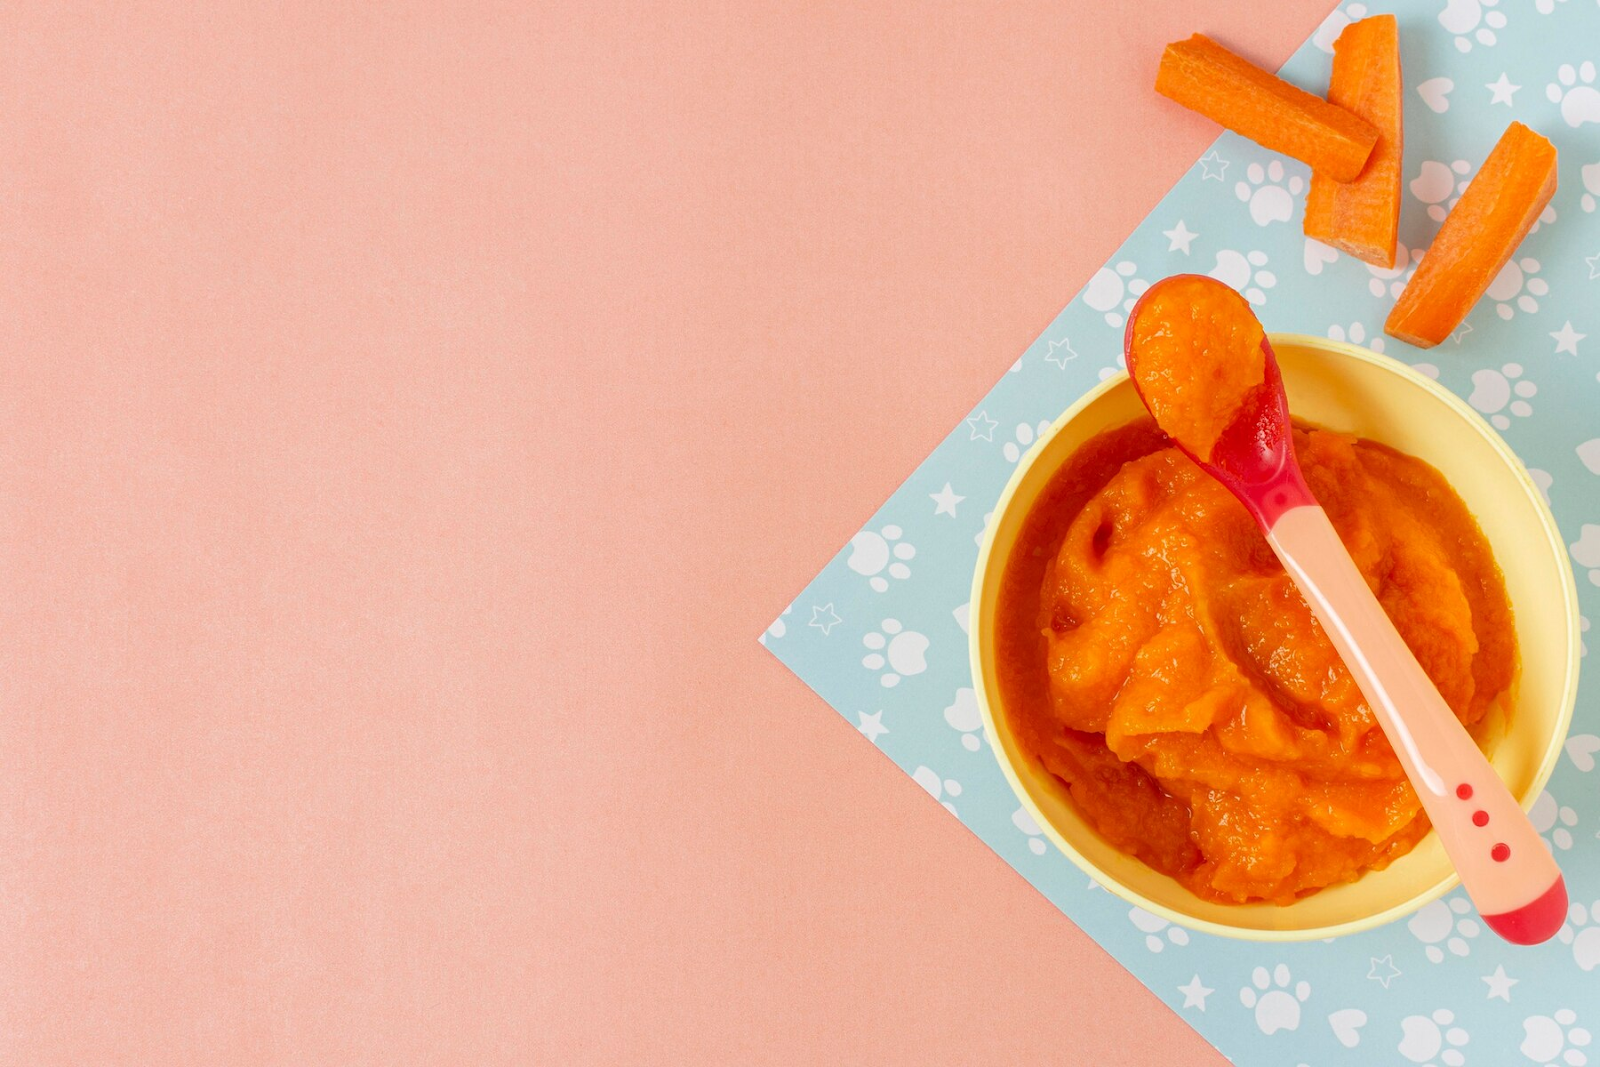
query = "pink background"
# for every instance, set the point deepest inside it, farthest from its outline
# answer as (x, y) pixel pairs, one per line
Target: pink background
(410, 419)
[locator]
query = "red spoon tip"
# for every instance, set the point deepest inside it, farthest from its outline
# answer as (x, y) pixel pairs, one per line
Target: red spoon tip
(1534, 922)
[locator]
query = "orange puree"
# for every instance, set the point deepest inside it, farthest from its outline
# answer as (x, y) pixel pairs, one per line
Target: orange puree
(1199, 356)
(1156, 658)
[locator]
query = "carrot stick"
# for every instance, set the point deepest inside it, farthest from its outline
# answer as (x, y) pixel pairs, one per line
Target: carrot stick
(1362, 217)
(1477, 238)
(1202, 75)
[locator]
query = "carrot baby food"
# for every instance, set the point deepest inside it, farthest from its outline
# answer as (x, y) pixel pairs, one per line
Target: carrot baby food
(1157, 659)
(1362, 217)
(1199, 357)
(1203, 76)
(1479, 235)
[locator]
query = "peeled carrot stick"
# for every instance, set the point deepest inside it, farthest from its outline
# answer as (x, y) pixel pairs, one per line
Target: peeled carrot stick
(1477, 238)
(1362, 217)
(1202, 75)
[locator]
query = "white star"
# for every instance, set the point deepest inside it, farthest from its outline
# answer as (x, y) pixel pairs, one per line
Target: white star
(1567, 339)
(1594, 265)
(1060, 353)
(1179, 236)
(982, 426)
(1210, 160)
(1466, 328)
(824, 619)
(1195, 994)
(1383, 970)
(1502, 91)
(1500, 985)
(872, 725)
(946, 499)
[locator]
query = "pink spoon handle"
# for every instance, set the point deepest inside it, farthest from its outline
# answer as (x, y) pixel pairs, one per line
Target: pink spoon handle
(1505, 867)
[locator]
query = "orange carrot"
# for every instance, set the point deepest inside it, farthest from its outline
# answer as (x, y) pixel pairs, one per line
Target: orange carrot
(1202, 75)
(1477, 238)
(1362, 217)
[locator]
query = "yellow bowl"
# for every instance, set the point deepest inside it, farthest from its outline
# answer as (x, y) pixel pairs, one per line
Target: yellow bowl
(1347, 388)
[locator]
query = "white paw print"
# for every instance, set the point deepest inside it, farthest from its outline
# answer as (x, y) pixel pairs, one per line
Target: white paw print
(1582, 932)
(1392, 280)
(1113, 291)
(964, 717)
(1153, 927)
(938, 788)
(1545, 7)
(1516, 282)
(1334, 25)
(1120, 365)
(1586, 551)
(1469, 21)
(1356, 334)
(1581, 748)
(1491, 389)
(1435, 92)
(1574, 90)
(1422, 1037)
(1554, 819)
(899, 650)
(1025, 436)
(1276, 1006)
(873, 554)
(779, 627)
(1555, 1039)
(1024, 822)
(1246, 272)
(1428, 369)
(1440, 185)
(1318, 255)
(1271, 199)
(1591, 186)
(1446, 922)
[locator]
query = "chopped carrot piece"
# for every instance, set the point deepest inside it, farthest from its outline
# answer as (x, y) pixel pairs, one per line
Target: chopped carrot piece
(1202, 75)
(1477, 238)
(1362, 217)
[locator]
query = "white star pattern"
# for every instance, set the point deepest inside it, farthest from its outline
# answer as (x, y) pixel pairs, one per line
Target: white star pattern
(1060, 353)
(1195, 994)
(1383, 970)
(872, 726)
(824, 619)
(1213, 166)
(1500, 985)
(945, 500)
(1594, 265)
(1567, 339)
(982, 427)
(1466, 328)
(1502, 90)
(1178, 238)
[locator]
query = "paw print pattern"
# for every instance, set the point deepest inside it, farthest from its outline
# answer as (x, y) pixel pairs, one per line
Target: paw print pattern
(779, 627)
(1432, 1039)
(1591, 186)
(1440, 185)
(964, 717)
(1357, 334)
(1024, 822)
(895, 651)
(1276, 1005)
(1154, 927)
(1517, 282)
(1444, 922)
(1113, 290)
(1246, 272)
(1549, 1039)
(1025, 436)
(1472, 20)
(1553, 820)
(1391, 281)
(1334, 25)
(1574, 90)
(938, 788)
(1546, 7)
(1318, 255)
(1493, 389)
(1586, 551)
(1581, 932)
(1271, 199)
(873, 555)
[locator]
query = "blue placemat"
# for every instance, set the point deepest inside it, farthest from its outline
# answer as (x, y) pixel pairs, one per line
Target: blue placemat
(880, 633)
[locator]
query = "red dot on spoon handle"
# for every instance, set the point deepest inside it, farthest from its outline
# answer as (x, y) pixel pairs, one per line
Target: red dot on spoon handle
(1480, 818)
(1500, 853)
(1464, 791)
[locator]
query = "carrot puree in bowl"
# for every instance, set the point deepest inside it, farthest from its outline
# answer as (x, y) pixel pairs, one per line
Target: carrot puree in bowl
(1156, 658)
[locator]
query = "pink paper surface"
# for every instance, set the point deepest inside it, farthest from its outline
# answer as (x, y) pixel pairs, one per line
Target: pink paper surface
(410, 414)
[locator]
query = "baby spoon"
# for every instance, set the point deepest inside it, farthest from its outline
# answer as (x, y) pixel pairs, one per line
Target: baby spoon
(1505, 867)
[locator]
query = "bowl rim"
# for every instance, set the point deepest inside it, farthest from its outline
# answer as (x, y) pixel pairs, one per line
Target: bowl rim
(1547, 763)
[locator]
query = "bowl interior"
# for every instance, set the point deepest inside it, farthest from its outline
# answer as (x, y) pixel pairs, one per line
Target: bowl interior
(1344, 388)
